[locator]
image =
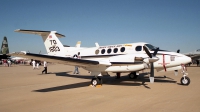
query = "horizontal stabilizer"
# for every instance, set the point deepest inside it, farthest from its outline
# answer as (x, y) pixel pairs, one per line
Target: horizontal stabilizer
(38, 32)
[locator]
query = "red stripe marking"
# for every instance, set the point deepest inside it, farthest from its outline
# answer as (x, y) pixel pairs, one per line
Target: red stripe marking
(163, 63)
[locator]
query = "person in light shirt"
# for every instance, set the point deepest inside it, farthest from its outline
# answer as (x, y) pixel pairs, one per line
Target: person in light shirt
(45, 68)
(33, 63)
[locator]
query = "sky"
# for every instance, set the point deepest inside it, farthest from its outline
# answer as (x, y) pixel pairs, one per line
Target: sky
(167, 24)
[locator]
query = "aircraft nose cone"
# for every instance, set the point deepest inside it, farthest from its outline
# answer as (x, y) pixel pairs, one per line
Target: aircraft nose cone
(187, 60)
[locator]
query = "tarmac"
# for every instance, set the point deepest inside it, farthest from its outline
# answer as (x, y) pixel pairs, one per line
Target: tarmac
(23, 89)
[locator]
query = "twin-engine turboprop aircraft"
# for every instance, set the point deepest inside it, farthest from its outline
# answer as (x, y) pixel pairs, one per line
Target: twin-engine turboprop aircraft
(130, 58)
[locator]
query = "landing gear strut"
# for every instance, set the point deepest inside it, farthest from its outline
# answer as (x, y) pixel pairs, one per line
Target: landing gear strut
(96, 81)
(118, 75)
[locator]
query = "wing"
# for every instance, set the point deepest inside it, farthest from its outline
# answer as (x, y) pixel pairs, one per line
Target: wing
(71, 61)
(56, 59)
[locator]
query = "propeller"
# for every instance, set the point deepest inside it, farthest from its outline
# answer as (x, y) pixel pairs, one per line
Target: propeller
(152, 58)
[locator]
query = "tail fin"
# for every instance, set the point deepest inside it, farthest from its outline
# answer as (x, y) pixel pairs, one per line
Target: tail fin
(4, 46)
(52, 43)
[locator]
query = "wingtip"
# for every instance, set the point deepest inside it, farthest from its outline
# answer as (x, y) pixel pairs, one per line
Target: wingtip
(17, 30)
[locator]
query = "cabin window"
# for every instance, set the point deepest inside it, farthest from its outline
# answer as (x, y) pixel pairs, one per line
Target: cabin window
(115, 50)
(102, 51)
(109, 51)
(138, 48)
(97, 51)
(122, 49)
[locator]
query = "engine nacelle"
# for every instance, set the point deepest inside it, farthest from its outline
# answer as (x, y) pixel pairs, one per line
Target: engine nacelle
(122, 58)
(127, 68)
(169, 69)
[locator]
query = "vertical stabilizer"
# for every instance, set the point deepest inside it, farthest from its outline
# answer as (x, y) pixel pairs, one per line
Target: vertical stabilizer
(4, 46)
(53, 44)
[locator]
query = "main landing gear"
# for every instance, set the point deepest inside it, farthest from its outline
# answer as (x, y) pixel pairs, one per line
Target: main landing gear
(96, 81)
(133, 75)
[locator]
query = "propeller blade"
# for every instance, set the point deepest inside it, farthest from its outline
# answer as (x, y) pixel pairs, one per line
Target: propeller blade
(152, 73)
(152, 70)
(147, 51)
(156, 51)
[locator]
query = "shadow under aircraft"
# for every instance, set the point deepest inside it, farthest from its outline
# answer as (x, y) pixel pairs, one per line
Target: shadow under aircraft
(107, 80)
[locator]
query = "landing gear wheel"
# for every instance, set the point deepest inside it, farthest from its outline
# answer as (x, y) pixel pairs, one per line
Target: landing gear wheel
(132, 75)
(96, 81)
(185, 81)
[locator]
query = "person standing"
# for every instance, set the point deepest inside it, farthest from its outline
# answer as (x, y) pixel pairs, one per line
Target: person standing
(37, 64)
(33, 64)
(76, 71)
(45, 67)
(4, 62)
(9, 63)
(197, 62)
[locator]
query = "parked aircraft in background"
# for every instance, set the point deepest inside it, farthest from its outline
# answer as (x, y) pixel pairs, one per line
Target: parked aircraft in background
(130, 58)
(4, 49)
(195, 55)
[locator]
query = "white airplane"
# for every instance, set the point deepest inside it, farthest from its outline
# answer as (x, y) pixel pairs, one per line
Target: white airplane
(18, 58)
(130, 58)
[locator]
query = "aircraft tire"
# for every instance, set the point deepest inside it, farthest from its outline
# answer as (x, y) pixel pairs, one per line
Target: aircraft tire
(96, 81)
(132, 75)
(185, 81)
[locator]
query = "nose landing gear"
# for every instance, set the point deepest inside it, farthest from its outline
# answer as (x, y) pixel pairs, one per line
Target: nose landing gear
(184, 80)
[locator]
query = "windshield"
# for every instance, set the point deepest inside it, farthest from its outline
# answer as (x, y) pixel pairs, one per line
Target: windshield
(151, 47)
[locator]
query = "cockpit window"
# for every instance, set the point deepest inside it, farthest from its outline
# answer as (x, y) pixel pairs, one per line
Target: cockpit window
(151, 47)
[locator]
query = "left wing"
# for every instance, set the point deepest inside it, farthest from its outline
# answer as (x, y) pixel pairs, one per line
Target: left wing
(56, 59)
